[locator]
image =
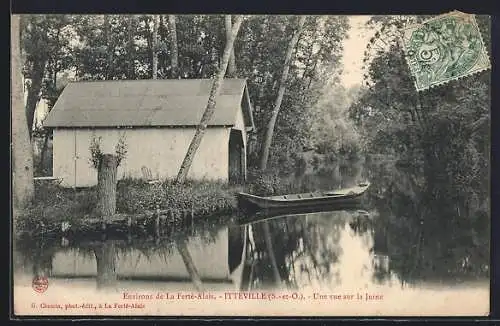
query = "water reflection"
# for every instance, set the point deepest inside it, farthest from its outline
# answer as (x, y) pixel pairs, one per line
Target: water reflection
(321, 251)
(204, 255)
(400, 238)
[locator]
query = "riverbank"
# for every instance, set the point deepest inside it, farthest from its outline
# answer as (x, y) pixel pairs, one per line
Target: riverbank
(136, 202)
(140, 203)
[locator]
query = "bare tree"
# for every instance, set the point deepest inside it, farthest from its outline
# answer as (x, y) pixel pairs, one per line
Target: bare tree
(231, 68)
(210, 109)
(155, 47)
(107, 36)
(281, 92)
(174, 60)
(130, 47)
(22, 154)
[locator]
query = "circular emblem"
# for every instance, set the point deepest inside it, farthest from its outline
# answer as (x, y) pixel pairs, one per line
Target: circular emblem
(40, 284)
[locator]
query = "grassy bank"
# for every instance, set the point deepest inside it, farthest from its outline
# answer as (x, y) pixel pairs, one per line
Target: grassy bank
(194, 199)
(54, 203)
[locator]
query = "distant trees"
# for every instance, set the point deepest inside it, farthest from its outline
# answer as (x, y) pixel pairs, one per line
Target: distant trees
(261, 52)
(107, 47)
(430, 157)
(281, 92)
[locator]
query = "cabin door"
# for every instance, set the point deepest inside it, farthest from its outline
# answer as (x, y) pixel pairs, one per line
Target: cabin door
(236, 157)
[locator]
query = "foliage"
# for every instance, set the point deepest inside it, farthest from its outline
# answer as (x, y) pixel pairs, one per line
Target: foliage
(113, 47)
(96, 152)
(47, 52)
(203, 197)
(333, 132)
(54, 203)
(271, 183)
(260, 53)
(429, 162)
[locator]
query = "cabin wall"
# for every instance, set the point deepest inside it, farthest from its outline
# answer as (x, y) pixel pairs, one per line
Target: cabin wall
(159, 149)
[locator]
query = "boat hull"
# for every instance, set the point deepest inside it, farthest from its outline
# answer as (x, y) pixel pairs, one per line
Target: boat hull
(346, 197)
(274, 213)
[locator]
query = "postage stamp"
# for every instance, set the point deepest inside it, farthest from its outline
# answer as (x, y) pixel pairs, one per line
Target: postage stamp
(444, 48)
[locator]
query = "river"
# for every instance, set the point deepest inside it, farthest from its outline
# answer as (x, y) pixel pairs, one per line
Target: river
(405, 253)
(326, 263)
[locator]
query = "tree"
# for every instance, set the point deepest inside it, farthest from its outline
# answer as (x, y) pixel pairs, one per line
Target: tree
(282, 86)
(231, 68)
(106, 165)
(261, 49)
(155, 47)
(102, 48)
(428, 162)
(45, 41)
(22, 154)
(106, 48)
(207, 115)
(131, 47)
(173, 44)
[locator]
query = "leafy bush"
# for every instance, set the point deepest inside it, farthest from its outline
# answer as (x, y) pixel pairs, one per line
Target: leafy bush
(269, 183)
(54, 203)
(203, 197)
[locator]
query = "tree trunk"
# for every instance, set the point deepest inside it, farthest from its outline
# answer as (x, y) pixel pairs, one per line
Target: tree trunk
(105, 256)
(270, 251)
(107, 37)
(188, 262)
(231, 68)
(281, 92)
(155, 47)
(22, 152)
(106, 186)
(130, 48)
(174, 59)
(209, 111)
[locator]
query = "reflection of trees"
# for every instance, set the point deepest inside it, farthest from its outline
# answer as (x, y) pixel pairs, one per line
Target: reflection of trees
(37, 250)
(306, 248)
(190, 266)
(429, 231)
(105, 255)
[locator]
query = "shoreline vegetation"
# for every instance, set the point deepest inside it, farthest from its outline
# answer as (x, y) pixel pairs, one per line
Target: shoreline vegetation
(140, 204)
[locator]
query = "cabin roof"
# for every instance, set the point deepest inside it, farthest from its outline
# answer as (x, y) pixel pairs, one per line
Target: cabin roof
(141, 103)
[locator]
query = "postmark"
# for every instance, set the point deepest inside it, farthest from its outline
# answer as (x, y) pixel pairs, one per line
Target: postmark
(40, 284)
(444, 48)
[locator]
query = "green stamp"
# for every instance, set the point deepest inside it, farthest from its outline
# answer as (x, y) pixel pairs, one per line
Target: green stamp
(444, 48)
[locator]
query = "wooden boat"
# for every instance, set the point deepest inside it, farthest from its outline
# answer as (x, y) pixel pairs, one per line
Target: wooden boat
(341, 197)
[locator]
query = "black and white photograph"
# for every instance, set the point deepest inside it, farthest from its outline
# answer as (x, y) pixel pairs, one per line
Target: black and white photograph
(250, 165)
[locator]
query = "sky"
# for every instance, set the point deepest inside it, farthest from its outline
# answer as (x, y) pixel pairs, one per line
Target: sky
(354, 47)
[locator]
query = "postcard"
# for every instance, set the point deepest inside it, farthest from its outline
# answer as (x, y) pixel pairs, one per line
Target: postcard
(251, 165)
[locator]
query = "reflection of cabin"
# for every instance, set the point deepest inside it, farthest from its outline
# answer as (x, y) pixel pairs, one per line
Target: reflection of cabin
(220, 261)
(158, 119)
